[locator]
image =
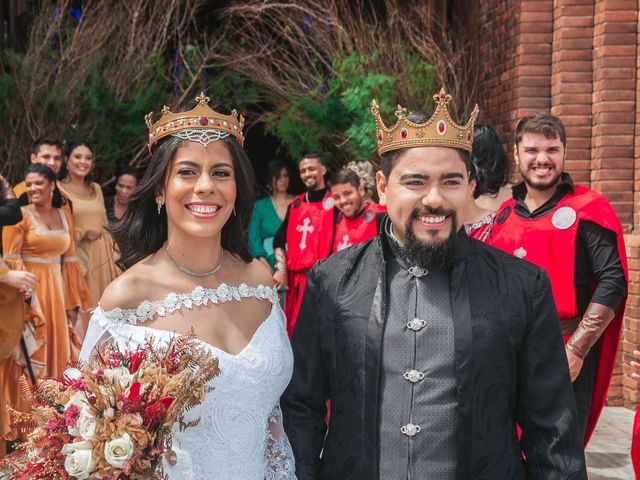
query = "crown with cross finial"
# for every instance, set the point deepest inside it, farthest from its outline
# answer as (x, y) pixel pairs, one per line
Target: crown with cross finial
(202, 124)
(439, 131)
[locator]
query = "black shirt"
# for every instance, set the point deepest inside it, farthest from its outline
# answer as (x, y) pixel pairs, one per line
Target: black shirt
(10, 214)
(597, 262)
(23, 199)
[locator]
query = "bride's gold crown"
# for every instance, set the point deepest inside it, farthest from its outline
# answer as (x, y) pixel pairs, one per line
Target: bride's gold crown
(202, 117)
(439, 131)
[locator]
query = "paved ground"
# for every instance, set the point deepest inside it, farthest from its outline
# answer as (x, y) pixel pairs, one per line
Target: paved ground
(608, 451)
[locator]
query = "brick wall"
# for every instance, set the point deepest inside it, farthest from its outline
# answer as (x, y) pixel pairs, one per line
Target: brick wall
(497, 49)
(580, 60)
(572, 81)
(631, 339)
(613, 126)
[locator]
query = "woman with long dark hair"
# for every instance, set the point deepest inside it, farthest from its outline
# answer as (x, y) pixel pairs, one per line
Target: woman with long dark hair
(268, 214)
(188, 269)
(95, 247)
(491, 175)
(42, 243)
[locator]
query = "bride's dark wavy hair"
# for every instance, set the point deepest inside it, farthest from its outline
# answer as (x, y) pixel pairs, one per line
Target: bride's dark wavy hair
(141, 231)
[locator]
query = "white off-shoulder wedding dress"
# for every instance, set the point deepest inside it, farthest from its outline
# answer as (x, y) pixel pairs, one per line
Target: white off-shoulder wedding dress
(240, 434)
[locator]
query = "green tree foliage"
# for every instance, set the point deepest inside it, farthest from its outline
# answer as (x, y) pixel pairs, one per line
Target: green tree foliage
(335, 115)
(93, 75)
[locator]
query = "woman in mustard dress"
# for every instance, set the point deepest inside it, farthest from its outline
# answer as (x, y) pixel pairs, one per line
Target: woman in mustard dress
(41, 243)
(94, 244)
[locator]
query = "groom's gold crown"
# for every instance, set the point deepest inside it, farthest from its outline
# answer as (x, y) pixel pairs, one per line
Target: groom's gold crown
(202, 117)
(439, 131)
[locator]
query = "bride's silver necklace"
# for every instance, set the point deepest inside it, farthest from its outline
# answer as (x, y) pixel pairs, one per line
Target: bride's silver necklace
(188, 271)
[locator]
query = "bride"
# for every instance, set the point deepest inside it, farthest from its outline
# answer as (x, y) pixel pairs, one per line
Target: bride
(183, 243)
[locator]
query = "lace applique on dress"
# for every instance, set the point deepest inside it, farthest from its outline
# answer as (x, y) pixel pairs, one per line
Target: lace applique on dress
(279, 460)
(198, 297)
(481, 230)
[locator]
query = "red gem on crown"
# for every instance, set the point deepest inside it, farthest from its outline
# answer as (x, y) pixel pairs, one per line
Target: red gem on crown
(441, 127)
(404, 134)
(204, 121)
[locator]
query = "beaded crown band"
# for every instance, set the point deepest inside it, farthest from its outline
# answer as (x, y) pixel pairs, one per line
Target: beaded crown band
(202, 124)
(439, 131)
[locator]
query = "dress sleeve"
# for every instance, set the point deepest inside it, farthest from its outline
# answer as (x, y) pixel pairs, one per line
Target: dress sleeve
(76, 292)
(279, 461)
(97, 334)
(256, 238)
(12, 240)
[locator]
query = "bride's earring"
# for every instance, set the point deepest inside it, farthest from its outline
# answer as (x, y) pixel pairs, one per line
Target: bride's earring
(159, 206)
(234, 211)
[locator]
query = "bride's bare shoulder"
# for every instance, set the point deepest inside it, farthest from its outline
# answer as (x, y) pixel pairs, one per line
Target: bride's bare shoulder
(252, 273)
(130, 289)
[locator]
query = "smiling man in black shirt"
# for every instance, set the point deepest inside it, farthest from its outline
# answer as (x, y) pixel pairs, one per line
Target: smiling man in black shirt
(574, 235)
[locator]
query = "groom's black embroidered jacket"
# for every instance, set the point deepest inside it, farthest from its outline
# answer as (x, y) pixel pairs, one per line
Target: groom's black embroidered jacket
(510, 367)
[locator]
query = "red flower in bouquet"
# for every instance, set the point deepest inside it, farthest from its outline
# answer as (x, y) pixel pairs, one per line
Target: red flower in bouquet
(155, 413)
(135, 361)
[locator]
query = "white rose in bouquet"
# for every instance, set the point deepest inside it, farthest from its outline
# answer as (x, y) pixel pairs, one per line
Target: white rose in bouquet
(87, 425)
(79, 462)
(74, 408)
(117, 452)
(122, 377)
(78, 399)
(73, 373)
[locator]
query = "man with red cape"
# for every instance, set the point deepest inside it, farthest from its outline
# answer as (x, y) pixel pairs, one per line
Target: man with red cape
(356, 219)
(574, 235)
(305, 235)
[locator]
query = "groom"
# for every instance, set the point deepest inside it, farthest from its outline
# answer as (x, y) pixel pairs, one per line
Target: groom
(430, 346)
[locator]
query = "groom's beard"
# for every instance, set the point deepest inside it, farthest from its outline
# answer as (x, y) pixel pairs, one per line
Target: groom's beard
(434, 254)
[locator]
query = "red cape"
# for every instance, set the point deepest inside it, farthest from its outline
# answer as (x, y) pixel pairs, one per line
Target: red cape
(590, 206)
(635, 445)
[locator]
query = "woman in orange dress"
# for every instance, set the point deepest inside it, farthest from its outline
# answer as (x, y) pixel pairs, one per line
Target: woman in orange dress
(94, 244)
(15, 286)
(18, 309)
(42, 244)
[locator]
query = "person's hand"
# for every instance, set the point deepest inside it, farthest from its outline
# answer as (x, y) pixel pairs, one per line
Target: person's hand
(72, 316)
(280, 279)
(575, 364)
(25, 282)
(92, 235)
(636, 366)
